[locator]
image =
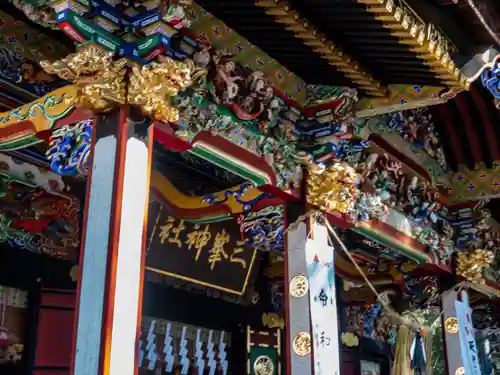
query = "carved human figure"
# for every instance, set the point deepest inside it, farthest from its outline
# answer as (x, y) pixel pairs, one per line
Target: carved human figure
(412, 128)
(432, 145)
(247, 94)
(369, 165)
(225, 80)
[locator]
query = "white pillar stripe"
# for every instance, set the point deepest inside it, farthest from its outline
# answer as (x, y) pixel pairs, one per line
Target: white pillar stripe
(130, 253)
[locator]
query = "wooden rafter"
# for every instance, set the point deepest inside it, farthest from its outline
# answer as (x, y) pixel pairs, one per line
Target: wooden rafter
(430, 44)
(319, 43)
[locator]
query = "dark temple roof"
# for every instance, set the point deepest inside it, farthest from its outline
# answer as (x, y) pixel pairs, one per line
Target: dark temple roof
(355, 28)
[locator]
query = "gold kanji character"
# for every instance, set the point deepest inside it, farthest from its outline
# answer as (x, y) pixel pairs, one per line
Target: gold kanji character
(176, 232)
(170, 233)
(217, 252)
(238, 250)
(166, 229)
(198, 239)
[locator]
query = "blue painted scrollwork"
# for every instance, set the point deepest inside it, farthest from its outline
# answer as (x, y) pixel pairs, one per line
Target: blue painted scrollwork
(70, 149)
(237, 195)
(264, 229)
(491, 80)
(369, 318)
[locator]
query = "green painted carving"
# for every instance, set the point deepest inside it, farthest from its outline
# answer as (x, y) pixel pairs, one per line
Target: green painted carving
(274, 141)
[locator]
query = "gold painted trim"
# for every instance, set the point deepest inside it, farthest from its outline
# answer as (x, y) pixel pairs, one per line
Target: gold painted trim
(319, 43)
(425, 39)
(249, 342)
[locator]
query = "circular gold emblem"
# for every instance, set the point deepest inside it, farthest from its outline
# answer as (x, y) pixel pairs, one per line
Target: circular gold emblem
(299, 286)
(451, 325)
(460, 371)
(302, 344)
(263, 365)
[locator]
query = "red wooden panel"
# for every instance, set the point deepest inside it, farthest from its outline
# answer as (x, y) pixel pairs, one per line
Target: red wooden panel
(51, 372)
(61, 300)
(348, 362)
(54, 338)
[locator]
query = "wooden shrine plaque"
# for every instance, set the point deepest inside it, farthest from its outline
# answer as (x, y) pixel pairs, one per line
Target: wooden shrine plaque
(211, 255)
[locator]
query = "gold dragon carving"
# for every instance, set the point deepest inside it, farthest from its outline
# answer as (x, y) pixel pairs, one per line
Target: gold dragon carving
(104, 82)
(100, 79)
(152, 86)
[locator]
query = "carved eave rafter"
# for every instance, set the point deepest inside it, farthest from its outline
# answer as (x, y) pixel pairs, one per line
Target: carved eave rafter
(430, 44)
(320, 44)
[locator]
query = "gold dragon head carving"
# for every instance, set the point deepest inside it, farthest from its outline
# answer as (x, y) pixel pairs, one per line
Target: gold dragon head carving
(152, 86)
(100, 79)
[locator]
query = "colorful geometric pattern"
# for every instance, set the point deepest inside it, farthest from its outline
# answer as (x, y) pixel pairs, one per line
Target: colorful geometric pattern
(479, 183)
(403, 97)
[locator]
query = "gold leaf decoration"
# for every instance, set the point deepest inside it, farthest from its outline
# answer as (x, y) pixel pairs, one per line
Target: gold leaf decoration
(272, 320)
(451, 325)
(332, 188)
(349, 339)
(74, 273)
(99, 78)
(471, 265)
(152, 86)
(302, 344)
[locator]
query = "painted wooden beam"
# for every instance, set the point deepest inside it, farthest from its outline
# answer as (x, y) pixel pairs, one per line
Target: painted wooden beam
(113, 250)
